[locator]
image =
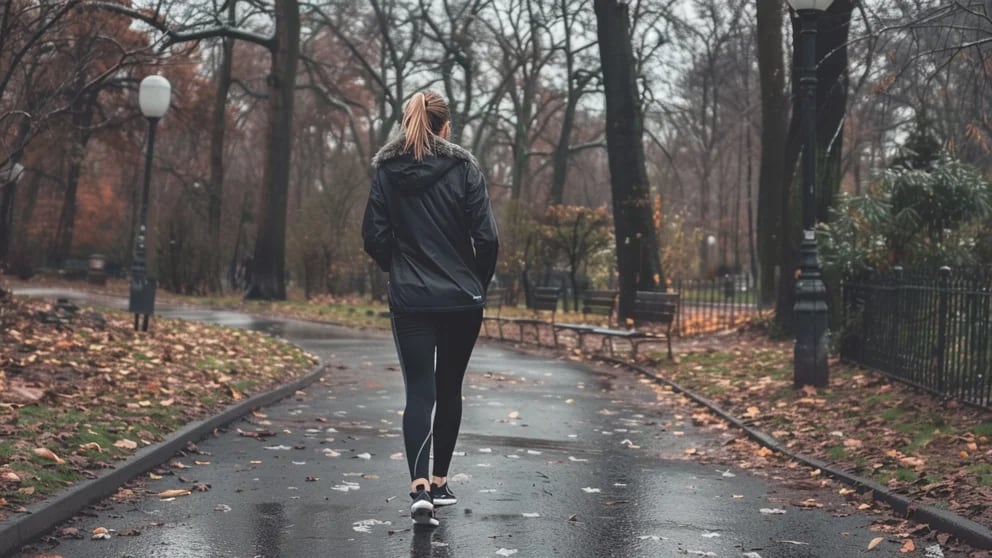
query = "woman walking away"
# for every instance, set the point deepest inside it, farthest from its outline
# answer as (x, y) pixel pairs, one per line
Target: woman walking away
(429, 224)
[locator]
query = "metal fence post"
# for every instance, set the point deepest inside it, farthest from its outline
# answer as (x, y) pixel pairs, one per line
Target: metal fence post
(945, 277)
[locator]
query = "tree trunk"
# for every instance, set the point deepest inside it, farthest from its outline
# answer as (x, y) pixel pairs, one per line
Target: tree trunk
(771, 173)
(638, 255)
(215, 187)
(562, 151)
(269, 275)
(9, 192)
(82, 119)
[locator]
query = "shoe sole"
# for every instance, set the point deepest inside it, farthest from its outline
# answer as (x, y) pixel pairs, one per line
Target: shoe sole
(422, 513)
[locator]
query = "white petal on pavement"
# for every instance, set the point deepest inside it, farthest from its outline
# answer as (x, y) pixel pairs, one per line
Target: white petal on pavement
(365, 525)
(934, 551)
(590, 490)
(365, 455)
(506, 552)
(531, 514)
(710, 535)
(772, 511)
(278, 448)
(577, 459)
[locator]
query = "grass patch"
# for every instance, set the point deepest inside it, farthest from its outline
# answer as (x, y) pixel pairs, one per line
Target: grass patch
(893, 414)
(983, 473)
(837, 453)
(983, 429)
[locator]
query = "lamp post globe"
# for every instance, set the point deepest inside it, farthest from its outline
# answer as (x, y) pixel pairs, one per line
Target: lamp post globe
(154, 97)
(810, 311)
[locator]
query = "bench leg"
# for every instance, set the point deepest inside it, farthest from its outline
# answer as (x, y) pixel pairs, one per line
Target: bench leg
(670, 355)
(554, 335)
(633, 349)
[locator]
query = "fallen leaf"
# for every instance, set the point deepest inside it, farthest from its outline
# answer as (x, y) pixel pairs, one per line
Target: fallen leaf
(174, 493)
(875, 542)
(126, 444)
(48, 454)
(907, 546)
(100, 533)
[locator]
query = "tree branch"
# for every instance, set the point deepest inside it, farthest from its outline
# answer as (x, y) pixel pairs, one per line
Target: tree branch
(157, 21)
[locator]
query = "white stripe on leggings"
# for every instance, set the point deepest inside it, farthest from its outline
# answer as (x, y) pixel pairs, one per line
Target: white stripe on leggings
(399, 356)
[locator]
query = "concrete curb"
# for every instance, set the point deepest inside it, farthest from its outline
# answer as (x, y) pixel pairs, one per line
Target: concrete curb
(968, 531)
(44, 516)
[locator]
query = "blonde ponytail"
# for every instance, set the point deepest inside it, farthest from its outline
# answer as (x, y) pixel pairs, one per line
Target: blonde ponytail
(425, 116)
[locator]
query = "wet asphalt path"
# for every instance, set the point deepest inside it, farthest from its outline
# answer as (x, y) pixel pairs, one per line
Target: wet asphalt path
(555, 459)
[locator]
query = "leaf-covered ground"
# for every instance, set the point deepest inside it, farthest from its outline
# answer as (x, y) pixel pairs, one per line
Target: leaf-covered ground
(80, 389)
(938, 452)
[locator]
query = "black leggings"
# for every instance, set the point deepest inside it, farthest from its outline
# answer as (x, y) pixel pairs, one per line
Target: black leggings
(434, 348)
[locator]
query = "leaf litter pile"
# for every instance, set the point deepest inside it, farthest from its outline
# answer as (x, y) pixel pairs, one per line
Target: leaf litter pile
(936, 452)
(79, 389)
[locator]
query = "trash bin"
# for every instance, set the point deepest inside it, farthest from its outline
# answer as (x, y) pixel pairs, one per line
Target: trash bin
(96, 271)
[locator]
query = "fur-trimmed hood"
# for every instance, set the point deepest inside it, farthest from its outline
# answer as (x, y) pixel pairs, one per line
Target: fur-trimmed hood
(439, 148)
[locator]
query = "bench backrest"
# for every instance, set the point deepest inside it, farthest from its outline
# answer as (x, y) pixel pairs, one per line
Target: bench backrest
(602, 303)
(655, 306)
(546, 299)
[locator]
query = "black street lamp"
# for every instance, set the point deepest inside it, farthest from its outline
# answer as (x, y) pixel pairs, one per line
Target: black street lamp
(810, 311)
(154, 97)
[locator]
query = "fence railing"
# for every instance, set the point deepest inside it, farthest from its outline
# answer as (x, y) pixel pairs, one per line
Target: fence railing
(717, 304)
(933, 331)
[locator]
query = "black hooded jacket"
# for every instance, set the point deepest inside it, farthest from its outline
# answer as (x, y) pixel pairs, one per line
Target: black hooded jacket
(431, 226)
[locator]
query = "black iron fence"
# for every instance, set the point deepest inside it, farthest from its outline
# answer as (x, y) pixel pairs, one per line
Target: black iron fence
(716, 304)
(933, 331)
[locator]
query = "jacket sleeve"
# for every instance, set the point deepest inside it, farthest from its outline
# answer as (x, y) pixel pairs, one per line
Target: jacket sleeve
(482, 222)
(377, 231)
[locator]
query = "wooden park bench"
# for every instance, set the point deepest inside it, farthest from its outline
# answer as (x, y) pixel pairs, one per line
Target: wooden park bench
(650, 307)
(545, 301)
(494, 306)
(594, 302)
